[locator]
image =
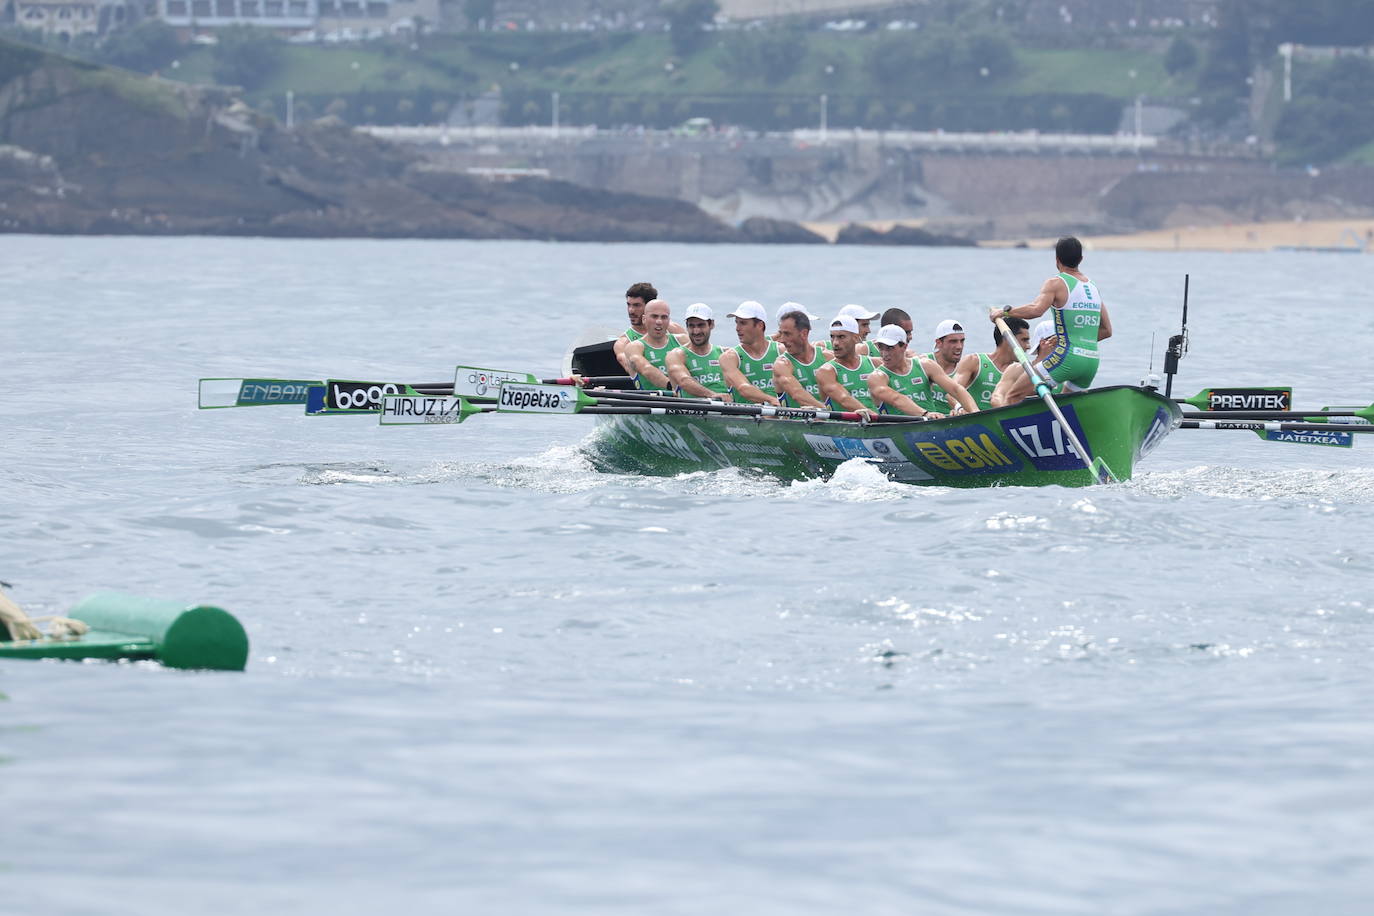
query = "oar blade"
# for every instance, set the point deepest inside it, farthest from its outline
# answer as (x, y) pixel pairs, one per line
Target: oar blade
(1279, 397)
(216, 393)
(515, 397)
(1333, 439)
(425, 410)
(477, 382)
(343, 397)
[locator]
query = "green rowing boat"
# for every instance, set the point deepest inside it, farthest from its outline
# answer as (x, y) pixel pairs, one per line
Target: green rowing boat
(1021, 445)
(130, 628)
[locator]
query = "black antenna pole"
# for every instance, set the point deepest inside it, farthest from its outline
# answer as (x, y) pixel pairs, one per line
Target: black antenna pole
(1178, 346)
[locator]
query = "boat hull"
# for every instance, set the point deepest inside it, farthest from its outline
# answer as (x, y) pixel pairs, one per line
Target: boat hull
(1022, 445)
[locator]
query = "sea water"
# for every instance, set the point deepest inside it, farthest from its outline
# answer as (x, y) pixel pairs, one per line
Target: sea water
(485, 678)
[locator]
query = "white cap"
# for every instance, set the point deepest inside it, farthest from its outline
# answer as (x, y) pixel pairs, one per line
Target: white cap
(858, 312)
(947, 327)
(699, 310)
(749, 309)
(1041, 331)
(845, 323)
(889, 334)
(788, 308)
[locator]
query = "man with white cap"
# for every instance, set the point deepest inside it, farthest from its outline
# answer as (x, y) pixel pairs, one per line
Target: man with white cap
(1039, 345)
(863, 316)
(901, 384)
(796, 308)
(794, 376)
(979, 373)
(695, 368)
(647, 356)
(748, 368)
(949, 349)
(843, 379)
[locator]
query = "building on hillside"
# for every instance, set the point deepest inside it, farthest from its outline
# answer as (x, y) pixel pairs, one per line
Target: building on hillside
(289, 15)
(329, 19)
(63, 18)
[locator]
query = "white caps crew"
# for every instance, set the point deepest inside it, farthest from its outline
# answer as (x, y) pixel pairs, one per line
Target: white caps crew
(700, 310)
(749, 309)
(890, 334)
(845, 323)
(788, 308)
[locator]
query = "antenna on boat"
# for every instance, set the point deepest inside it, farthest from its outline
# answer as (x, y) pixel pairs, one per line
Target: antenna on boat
(1178, 346)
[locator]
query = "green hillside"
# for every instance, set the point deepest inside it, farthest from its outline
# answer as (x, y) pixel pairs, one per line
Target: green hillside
(758, 80)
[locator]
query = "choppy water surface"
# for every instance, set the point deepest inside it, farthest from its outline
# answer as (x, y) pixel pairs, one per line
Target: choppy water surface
(485, 678)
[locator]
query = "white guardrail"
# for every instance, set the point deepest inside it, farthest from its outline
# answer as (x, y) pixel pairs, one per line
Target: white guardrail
(1029, 141)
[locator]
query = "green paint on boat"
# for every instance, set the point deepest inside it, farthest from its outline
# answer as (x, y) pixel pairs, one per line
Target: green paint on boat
(132, 628)
(1021, 445)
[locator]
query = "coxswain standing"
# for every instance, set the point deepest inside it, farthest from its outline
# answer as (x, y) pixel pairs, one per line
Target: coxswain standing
(1080, 322)
(748, 368)
(695, 368)
(794, 376)
(903, 384)
(647, 356)
(843, 379)
(979, 373)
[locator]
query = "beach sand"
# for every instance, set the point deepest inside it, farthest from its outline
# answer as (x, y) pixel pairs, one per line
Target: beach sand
(1343, 234)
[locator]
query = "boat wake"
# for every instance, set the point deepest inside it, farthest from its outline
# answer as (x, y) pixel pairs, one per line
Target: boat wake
(1303, 485)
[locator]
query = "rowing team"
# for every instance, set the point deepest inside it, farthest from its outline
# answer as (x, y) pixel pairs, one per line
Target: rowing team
(856, 371)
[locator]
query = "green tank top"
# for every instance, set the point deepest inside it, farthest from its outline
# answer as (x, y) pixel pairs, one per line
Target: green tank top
(915, 385)
(980, 389)
(657, 357)
(939, 400)
(759, 372)
(855, 381)
(806, 374)
(631, 335)
(706, 369)
(1077, 322)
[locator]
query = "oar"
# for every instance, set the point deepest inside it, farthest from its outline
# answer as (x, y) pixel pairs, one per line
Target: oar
(482, 383)
(1345, 414)
(1339, 435)
(1263, 425)
(1101, 473)
(426, 410)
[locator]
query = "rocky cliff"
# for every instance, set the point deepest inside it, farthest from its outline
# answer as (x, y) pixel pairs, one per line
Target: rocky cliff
(87, 149)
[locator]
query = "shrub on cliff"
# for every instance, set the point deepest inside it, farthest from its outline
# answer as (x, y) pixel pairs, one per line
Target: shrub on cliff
(148, 46)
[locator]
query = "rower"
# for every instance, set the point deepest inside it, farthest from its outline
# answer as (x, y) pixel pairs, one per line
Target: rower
(748, 368)
(792, 308)
(863, 317)
(1080, 322)
(794, 376)
(647, 355)
(843, 379)
(949, 349)
(636, 298)
(695, 369)
(1040, 343)
(979, 373)
(903, 384)
(900, 318)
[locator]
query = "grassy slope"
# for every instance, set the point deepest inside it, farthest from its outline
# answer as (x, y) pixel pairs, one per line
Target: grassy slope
(636, 64)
